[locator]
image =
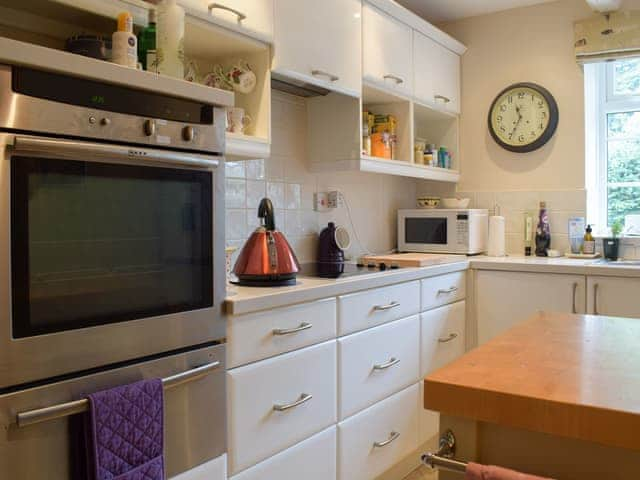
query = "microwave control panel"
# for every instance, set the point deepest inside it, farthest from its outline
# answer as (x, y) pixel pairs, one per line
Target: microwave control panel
(462, 229)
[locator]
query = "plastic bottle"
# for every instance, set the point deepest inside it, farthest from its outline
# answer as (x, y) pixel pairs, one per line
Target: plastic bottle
(170, 39)
(589, 245)
(125, 43)
(147, 43)
(528, 233)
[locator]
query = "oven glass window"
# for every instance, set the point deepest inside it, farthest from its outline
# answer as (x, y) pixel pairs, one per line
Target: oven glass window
(96, 243)
(426, 230)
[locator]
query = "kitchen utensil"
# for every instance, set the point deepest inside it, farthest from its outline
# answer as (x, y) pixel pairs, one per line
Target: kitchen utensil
(237, 120)
(455, 202)
(428, 202)
(266, 259)
(412, 259)
(332, 244)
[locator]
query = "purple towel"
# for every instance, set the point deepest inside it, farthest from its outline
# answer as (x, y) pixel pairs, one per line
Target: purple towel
(124, 432)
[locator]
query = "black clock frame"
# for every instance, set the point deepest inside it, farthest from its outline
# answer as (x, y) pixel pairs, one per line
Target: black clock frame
(554, 118)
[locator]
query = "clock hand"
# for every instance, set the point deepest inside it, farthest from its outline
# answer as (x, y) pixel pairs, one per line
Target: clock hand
(518, 122)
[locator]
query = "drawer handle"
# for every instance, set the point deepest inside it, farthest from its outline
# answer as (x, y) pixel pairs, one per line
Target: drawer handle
(241, 16)
(305, 397)
(452, 336)
(289, 331)
(443, 98)
(383, 366)
(392, 436)
(396, 78)
(383, 308)
(448, 291)
(322, 73)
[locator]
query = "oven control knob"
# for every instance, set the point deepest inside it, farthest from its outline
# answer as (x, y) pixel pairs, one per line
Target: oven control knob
(149, 128)
(188, 133)
(105, 122)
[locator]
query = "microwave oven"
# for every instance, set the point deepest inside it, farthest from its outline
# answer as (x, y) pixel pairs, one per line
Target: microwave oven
(462, 231)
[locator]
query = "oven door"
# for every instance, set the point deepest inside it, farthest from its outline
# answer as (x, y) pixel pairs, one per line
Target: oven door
(112, 253)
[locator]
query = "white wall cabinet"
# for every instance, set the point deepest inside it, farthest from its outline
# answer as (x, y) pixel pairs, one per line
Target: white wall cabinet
(613, 296)
(436, 74)
(387, 50)
(320, 43)
(504, 299)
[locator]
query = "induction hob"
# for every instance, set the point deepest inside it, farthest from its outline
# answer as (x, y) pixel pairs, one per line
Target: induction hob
(335, 270)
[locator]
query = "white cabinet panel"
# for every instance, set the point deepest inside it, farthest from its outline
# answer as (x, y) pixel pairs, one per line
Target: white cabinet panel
(358, 311)
(215, 469)
(313, 459)
(442, 334)
(504, 299)
(377, 438)
(265, 334)
(429, 421)
(259, 424)
(320, 42)
(443, 289)
(377, 363)
(613, 296)
(387, 50)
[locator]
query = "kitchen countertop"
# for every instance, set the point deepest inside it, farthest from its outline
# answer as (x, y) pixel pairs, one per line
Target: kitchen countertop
(567, 375)
(242, 300)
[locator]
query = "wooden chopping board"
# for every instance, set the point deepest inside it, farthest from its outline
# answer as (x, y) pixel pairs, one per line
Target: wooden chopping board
(413, 259)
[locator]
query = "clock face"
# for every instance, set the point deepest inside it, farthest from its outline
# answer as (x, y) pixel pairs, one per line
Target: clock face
(523, 117)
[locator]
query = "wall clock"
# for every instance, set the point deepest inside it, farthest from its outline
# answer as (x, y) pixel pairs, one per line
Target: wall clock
(523, 117)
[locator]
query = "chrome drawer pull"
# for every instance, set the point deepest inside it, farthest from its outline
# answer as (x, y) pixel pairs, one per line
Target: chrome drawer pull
(392, 437)
(241, 16)
(448, 291)
(452, 336)
(305, 397)
(396, 78)
(382, 308)
(443, 98)
(321, 73)
(289, 331)
(383, 366)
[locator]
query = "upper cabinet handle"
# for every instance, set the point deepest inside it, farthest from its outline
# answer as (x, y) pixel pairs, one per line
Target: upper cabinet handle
(397, 79)
(383, 366)
(573, 306)
(595, 299)
(392, 437)
(241, 16)
(443, 98)
(321, 73)
(448, 291)
(382, 308)
(305, 397)
(289, 331)
(452, 336)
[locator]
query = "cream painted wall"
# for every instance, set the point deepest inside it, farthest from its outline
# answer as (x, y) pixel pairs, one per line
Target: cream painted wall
(527, 44)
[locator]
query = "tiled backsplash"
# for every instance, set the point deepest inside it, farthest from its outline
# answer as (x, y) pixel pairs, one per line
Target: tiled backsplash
(286, 180)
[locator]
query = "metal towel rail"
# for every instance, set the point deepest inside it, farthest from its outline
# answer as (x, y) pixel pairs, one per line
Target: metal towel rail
(443, 458)
(45, 414)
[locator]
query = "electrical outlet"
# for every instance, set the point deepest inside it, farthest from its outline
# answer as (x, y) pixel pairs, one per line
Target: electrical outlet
(321, 202)
(334, 199)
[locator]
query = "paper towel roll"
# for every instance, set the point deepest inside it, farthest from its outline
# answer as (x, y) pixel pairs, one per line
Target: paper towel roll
(496, 237)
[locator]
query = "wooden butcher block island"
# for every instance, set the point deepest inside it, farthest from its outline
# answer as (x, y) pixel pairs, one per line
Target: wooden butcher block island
(557, 395)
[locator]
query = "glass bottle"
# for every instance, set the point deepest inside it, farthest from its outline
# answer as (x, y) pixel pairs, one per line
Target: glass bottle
(543, 232)
(147, 41)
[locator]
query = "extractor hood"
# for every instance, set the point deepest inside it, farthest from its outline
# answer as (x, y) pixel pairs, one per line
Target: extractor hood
(295, 87)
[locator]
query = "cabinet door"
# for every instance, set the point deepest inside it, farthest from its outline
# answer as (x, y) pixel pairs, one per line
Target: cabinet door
(215, 469)
(320, 42)
(253, 17)
(387, 50)
(507, 298)
(436, 73)
(613, 296)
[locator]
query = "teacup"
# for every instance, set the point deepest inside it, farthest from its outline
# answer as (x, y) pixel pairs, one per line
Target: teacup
(237, 120)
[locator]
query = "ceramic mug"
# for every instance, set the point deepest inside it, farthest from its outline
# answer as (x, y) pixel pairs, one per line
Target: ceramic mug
(242, 77)
(237, 120)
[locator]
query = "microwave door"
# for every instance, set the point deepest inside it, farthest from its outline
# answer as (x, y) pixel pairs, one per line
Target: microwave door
(427, 234)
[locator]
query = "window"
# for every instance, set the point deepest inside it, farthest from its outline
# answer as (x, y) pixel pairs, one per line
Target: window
(613, 141)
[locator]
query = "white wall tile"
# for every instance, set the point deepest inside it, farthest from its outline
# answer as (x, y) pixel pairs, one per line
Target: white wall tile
(485, 200)
(292, 192)
(235, 193)
(256, 191)
(518, 200)
(255, 169)
(275, 191)
(293, 223)
(236, 224)
(234, 169)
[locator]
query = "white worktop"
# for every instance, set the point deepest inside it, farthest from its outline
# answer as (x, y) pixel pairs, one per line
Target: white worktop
(241, 300)
(24, 54)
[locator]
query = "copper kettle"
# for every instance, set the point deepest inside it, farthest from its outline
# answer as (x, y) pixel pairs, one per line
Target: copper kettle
(266, 259)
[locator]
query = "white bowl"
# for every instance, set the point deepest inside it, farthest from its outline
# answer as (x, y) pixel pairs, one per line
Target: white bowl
(455, 202)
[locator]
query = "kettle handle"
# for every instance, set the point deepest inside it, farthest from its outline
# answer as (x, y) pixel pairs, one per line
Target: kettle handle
(265, 211)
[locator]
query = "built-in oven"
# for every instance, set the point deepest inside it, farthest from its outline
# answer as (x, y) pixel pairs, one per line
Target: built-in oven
(112, 207)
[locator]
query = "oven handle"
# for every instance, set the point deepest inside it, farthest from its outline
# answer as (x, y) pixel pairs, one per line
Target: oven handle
(80, 150)
(24, 419)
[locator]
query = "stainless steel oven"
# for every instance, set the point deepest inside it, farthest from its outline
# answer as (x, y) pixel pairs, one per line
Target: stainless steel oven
(112, 207)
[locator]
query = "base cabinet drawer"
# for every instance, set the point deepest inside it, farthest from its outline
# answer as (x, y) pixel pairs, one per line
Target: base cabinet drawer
(377, 363)
(443, 289)
(362, 310)
(215, 469)
(313, 459)
(377, 438)
(260, 335)
(442, 336)
(276, 403)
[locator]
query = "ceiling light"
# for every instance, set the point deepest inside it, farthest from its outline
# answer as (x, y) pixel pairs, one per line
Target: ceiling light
(605, 6)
